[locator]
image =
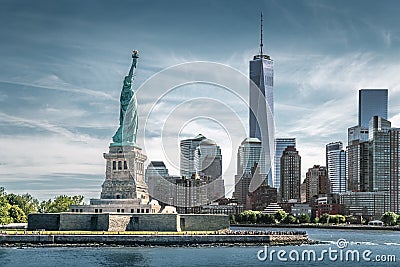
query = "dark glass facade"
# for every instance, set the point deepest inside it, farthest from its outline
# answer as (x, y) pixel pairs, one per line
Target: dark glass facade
(372, 102)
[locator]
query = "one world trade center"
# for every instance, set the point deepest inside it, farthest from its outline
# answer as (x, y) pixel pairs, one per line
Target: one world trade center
(261, 115)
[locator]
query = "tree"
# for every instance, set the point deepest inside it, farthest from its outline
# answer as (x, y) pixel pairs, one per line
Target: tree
(314, 220)
(253, 216)
(26, 202)
(280, 215)
(4, 211)
(389, 218)
(337, 218)
(17, 214)
(2, 191)
(341, 218)
(304, 218)
(289, 219)
(324, 218)
(333, 219)
(244, 216)
(60, 204)
(267, 218)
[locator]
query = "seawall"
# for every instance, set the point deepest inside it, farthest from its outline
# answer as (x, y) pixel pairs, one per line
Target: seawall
(161, 240)
(320, 226)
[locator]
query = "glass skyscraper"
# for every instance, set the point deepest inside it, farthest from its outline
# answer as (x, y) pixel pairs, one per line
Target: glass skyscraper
(248, 157)
(372, 102)
(156, 169)
(249, 153)
(384, 150)
(208, 159)
(336, 166)
(380, 148)
(188, 147)
(280, 145)
(261, 121)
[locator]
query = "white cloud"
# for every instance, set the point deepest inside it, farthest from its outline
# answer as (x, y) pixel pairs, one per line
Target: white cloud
(53, 82)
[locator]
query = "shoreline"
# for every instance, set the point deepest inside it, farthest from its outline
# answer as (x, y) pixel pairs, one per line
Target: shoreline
(347, 226)
(50, 240)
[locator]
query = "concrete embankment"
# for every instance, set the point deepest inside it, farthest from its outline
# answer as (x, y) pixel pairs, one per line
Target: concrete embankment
(161, 240)
(321, 226)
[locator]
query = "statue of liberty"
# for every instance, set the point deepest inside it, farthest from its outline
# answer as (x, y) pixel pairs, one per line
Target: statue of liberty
(128, 117)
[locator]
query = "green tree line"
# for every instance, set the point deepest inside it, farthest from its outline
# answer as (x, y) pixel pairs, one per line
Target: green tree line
(16, 208)
(257, 217)
(390, 218)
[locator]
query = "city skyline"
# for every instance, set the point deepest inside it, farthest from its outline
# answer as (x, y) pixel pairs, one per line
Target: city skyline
(55, 56)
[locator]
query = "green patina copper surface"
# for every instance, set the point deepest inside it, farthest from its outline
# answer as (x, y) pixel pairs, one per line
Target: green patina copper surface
(128, 116)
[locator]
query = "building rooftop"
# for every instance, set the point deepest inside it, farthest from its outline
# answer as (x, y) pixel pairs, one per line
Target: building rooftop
(208, 142)
(251, 140)
(157, 164)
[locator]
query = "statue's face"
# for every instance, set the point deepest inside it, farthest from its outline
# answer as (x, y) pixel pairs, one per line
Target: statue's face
(127, 81)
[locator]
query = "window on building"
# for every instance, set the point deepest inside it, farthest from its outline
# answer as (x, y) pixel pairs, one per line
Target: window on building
(147, 210)
(125, 165)
(138, 211)
(81, 210)
(132, 211)
(114, 165)
(118, 210)
(142, 211)
(96, 210)
(122, 210)
(101, 210)
(119, 165)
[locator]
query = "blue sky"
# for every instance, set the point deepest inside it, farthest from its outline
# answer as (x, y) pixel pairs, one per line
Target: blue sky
(62, 65)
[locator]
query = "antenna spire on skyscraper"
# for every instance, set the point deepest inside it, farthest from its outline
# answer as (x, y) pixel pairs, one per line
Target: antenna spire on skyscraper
(261, 36)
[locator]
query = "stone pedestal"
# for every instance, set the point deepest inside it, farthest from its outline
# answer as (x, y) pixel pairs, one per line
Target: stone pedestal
(125, 173)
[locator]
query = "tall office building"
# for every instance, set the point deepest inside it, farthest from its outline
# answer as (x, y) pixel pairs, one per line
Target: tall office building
(208, 159)
(280, 145)
(317, 182)
(156, 169)
(242, 183)
(159, 182)
(357, 133)
(357, 157)
(372, 102)
(208, 162)
(248, 156)
(373, 159)
(191, 193)
(290, 174)
(380, 152)
(336, 166)
(202, 157)
(249, 153)
(188, 148)
(261, 111)
(383, 173)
